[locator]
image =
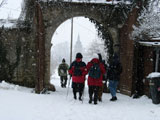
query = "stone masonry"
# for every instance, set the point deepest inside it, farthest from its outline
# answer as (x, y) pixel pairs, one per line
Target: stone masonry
(25, 50)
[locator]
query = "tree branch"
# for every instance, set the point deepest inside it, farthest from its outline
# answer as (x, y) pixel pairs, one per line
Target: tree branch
(2, 3)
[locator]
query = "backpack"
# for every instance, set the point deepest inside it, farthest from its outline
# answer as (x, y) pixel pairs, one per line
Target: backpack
(95, 71)
(63, 69)
(77, 71)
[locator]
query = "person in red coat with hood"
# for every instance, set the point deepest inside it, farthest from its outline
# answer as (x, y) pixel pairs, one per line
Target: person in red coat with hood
(78, 71)
(94, 83)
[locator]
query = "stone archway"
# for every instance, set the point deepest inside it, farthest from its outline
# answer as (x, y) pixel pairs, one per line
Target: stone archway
(55, 14)
(91, 39)
(33, 35)
(47, 51)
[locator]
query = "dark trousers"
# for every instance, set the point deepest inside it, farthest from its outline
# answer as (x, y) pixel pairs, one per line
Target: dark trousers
(77, 87)
(63, 81)
(93, 93)
(100, 92)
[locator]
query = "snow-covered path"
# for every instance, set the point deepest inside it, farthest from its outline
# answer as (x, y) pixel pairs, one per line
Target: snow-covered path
(19, 103)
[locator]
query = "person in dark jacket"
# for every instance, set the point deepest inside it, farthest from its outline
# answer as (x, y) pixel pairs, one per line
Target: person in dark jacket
(62, 72)
(94, 83)
(101, 89)
(114, 72)
(78, 71)
(104, 85)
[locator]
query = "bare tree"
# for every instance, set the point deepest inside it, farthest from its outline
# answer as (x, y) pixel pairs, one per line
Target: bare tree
(97, 46)
(2, 3)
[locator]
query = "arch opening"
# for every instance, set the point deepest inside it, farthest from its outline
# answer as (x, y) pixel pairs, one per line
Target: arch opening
(85, 40)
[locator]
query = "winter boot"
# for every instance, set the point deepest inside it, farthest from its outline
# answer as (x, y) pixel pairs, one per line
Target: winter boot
(113, 98)
(100, 99)
(64, 86)
(80, 98)
(90, 101)
(95, 102)
(75, 97)
(80, 95)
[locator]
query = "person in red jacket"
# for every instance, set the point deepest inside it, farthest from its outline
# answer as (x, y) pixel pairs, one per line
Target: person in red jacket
(78, 71)
(96, 70)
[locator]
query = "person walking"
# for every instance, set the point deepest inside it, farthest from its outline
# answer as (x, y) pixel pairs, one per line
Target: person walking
(114, 71)
(103, 88)
(95, 70)
(104, 81)
(77, 70)
(62, 72)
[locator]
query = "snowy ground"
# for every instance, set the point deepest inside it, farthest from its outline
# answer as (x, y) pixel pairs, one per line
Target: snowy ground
(19, 103)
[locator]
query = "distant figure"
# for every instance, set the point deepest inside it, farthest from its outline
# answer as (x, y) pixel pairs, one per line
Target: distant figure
(78, 71)
(62, 72)
(96, 71)
(114, 71)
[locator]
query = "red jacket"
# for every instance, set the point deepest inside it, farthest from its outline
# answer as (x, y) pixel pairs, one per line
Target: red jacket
(78, 79)
(92, 81)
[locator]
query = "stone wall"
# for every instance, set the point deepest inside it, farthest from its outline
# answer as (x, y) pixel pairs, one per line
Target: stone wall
(20, 54)
(17, 56)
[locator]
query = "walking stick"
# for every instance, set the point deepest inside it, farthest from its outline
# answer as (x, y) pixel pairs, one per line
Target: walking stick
(68, 86)
(83, 91)
(83, 94)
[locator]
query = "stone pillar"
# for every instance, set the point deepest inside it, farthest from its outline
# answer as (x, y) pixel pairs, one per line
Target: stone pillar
(127, 54)
(114, 33)
(43, 54)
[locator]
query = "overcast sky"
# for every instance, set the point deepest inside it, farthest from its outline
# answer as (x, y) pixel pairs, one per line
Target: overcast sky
(11, 9)
(81, 26)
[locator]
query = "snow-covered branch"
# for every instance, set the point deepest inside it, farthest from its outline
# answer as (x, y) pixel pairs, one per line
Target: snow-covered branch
(149, 24)
(97, 46)
(2, 3)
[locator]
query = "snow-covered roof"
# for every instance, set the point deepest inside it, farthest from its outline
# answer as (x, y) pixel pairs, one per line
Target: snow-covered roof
(150, 44)
(153, 75)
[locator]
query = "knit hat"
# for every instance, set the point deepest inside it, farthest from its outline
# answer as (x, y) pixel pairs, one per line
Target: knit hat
(79, 55)
(63, 60)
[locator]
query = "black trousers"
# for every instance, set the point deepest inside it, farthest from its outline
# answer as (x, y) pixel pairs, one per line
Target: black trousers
(63, 80)
(93, 93)
(77, 87)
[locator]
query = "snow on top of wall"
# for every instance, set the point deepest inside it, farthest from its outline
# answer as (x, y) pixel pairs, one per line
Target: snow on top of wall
(153, 75)
(8, 86)
(156, 44)
(8, 23)
(96, 1)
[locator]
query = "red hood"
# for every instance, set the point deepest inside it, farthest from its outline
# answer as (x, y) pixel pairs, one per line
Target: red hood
(95, 60)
